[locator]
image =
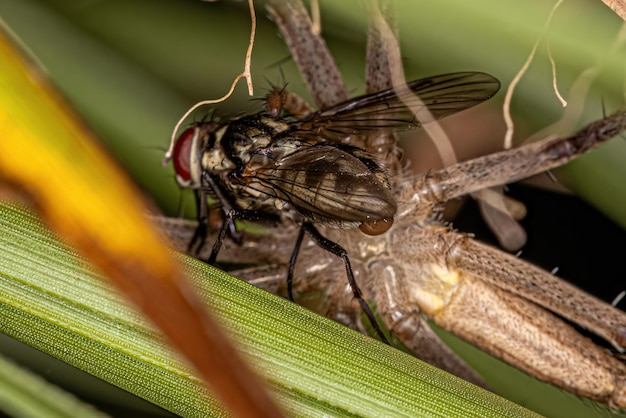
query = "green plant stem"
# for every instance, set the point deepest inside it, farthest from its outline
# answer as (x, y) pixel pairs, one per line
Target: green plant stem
(52, 301)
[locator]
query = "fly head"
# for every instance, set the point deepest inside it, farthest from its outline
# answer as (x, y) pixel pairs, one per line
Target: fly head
(188, 153)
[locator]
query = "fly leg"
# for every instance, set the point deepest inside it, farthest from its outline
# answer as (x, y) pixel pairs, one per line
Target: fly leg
(231, 213)
(217, 245)
(198, 240)
(229, 226)
(199, 237)
(292, 263)
(340, 252)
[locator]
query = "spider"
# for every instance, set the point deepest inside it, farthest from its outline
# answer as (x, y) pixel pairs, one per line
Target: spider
(422, 268)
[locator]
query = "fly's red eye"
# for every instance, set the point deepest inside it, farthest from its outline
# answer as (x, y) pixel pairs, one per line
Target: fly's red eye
(182, 154)
(376, 227)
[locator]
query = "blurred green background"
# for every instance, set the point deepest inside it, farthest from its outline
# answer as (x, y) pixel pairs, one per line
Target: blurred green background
(132, 68)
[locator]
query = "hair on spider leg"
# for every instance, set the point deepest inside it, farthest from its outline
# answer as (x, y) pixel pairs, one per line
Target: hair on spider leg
(618, 298)
(279, 64)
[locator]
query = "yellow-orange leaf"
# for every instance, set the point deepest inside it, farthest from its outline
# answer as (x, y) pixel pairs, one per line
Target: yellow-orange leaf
(47, 152)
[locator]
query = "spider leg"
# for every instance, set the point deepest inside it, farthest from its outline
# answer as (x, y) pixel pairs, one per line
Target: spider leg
(511, 165)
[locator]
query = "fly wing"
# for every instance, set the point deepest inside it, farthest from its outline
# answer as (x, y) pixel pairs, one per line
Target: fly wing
(443, 95)
(328, 185)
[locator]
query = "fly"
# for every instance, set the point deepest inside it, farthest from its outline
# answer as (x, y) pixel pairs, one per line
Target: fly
(273, 167)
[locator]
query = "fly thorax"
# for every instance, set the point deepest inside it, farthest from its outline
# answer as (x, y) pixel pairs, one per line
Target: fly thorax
(244, 146)
(284, 146)
(214, 159)
(243, 137)
(273, 126)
